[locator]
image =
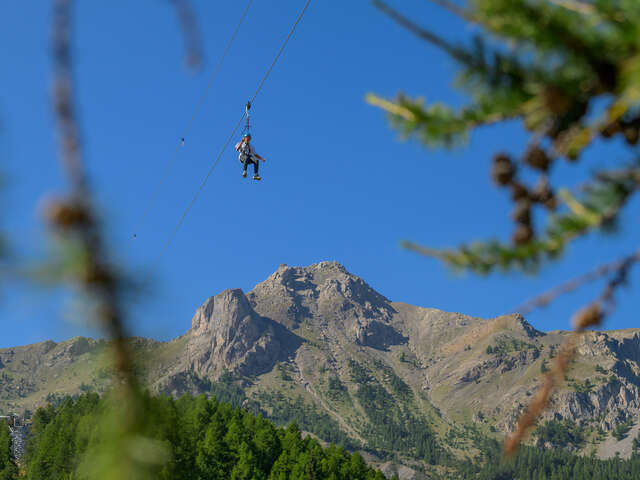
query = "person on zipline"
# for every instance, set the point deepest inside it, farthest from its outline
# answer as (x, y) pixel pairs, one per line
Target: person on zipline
(248, 156)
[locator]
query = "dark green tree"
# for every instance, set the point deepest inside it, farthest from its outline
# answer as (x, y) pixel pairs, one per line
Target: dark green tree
(8, 468)
(197, 438)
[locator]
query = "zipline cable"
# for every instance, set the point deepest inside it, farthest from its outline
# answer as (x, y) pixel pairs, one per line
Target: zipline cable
(226, 144)
(190, 123)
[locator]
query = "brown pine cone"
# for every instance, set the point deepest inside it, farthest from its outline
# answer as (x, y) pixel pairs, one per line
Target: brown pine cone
(543, 194)
(537, 158)
(588, 317)
(503, 169)
(519, 191)
(65, 213)
(522, 212)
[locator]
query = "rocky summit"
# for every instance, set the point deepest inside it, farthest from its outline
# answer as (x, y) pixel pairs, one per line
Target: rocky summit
(319, 346)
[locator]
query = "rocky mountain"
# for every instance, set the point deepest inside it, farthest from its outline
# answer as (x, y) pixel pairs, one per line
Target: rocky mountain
(318, 345)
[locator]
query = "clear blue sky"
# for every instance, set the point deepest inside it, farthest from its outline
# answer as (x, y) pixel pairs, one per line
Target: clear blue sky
(338, 185)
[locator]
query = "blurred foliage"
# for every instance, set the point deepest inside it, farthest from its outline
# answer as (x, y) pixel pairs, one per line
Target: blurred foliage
(569, 71)
(114, 441)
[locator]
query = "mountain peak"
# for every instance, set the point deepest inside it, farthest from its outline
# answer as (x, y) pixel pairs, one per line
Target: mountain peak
(292, 294)
(318, 271)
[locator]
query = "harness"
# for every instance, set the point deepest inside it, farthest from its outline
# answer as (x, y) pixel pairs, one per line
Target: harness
(245, 151)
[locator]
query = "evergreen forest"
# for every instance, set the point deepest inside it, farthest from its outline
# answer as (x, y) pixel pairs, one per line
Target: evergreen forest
(204, 438)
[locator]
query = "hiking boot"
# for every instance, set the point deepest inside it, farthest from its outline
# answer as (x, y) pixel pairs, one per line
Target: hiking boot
(256, 177)
(244, 174)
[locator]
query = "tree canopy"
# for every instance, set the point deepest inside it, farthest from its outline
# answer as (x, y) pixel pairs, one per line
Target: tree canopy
(187, 438)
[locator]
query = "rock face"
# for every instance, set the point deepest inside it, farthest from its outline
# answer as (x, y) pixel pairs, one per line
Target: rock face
(228, 335)
(319, 333)
(613, 397)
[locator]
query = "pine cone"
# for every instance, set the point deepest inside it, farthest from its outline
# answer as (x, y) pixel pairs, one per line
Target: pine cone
(588, 317)
(543, 194)
(522, 235)
(522, 212)
(66, 213)
(503, 169)
(519, 191)
(537, 158)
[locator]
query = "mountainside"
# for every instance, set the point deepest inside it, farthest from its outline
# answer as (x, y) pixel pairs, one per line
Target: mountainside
(318, 345)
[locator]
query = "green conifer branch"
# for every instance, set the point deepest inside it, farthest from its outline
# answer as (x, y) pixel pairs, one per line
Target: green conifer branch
(598, 209)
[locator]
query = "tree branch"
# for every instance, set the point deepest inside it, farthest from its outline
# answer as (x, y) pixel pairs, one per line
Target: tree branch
(549, 296)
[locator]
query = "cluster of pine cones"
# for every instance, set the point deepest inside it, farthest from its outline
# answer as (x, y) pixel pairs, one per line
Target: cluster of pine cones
(504, 174)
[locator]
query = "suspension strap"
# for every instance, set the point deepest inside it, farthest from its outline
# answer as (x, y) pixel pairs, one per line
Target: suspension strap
(246, 111)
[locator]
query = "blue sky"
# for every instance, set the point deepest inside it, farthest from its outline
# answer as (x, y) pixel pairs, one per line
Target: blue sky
(338, 184)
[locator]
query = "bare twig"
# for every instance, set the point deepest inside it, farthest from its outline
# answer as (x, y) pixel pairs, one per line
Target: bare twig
(546, 298)
(69, 133)
(75, 219)
(422, 32)
(590, 316)
(75, 216)
(541, 400)
(620, 278)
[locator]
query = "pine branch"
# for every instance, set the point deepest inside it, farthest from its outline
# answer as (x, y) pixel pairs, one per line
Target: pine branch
(504, 70)
(575, 6)
(602, 201)
(455, 9)
(574, 284)
(436, 124)
(75, 221)
(422, 33)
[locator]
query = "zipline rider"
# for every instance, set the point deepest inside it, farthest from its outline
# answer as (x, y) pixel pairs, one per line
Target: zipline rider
(248, 155)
